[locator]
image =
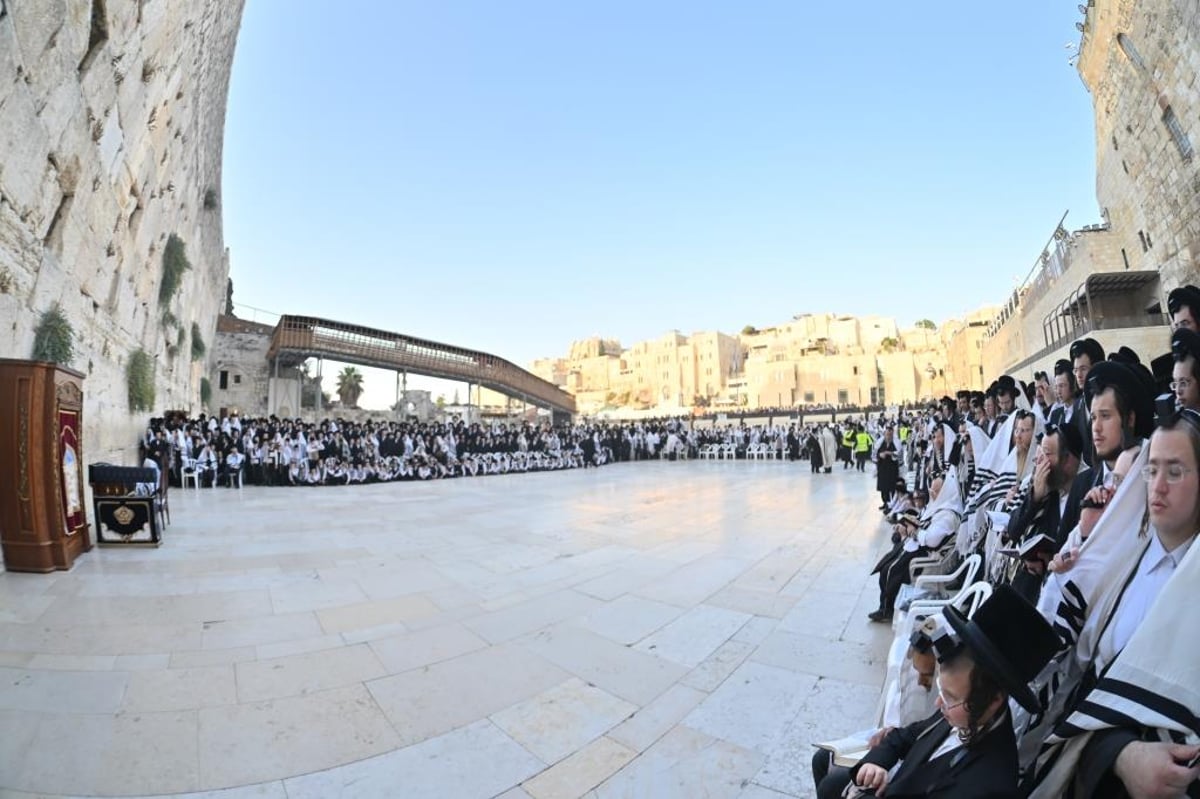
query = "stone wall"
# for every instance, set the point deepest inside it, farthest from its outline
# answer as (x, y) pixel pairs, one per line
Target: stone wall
(1140, 61)
(112, 119)
(239, 372)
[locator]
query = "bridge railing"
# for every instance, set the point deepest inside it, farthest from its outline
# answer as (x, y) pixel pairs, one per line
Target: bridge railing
(306, 336)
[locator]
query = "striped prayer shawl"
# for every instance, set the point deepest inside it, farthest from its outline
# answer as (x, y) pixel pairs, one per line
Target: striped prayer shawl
(1153, 684)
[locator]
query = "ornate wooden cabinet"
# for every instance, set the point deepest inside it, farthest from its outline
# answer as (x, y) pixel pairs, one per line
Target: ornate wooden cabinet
(43, 521)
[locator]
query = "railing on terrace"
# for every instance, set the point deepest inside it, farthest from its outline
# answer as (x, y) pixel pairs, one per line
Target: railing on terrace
(1081, 327)
(299, 337)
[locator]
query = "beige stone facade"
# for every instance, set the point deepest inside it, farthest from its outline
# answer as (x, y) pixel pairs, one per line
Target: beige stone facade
(111, 129)
(810, 360)
(1140, 61)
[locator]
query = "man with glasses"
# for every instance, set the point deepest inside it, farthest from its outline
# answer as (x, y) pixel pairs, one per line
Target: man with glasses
(1185, 379)
(967, 749)
(1125, 736)
(1184, 304)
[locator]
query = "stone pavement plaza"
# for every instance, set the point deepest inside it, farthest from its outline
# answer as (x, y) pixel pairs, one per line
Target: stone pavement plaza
(641, 630)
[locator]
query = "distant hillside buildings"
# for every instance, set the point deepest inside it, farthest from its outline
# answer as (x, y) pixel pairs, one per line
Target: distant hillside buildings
(811, 360)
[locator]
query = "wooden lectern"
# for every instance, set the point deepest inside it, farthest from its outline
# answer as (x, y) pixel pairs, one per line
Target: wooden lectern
(43, 521)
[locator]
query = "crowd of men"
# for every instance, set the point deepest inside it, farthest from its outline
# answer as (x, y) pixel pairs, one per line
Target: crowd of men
(230, 450)
(1079, 491)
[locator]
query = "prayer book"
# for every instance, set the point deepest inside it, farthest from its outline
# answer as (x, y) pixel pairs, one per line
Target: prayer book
(849, 750)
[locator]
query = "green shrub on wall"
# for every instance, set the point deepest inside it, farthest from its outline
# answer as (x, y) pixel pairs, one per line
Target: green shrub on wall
(175, 263)
(54, 338)
(205, 390)
(139, 376)
(198, 347)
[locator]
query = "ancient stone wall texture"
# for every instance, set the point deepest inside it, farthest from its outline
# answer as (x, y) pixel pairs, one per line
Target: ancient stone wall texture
(112, 117)
(1140, 60)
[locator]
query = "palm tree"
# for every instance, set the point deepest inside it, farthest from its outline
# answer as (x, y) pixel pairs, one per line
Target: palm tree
(350, 386)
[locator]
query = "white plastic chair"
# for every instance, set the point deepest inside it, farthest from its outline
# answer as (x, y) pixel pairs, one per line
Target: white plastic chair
(188, 471)
(936, 585)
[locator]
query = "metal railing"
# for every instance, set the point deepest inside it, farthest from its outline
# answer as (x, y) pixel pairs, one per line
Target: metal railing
(299, 337)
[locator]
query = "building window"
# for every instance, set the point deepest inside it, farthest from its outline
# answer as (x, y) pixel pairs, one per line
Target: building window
(224, 379)
(1182, 143)
(856, 370)
(237, 380)
(1131, 52)
(1124, 257)
(1114, 141)
(1142, 239)
(843, 397)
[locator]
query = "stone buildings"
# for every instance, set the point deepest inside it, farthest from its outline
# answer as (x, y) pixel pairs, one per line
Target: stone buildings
(111, 127)
(810, 360)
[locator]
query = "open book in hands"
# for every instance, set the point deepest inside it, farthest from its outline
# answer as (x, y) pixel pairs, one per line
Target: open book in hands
(849, 750)
(1028, 549)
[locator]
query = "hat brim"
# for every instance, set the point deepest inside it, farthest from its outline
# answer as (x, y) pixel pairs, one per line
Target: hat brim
(991, 659)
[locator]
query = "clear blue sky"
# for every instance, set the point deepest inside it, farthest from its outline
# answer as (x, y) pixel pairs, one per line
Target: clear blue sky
(513, 176)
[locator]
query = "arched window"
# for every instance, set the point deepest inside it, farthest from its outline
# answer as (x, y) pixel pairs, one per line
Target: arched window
(1131, 52)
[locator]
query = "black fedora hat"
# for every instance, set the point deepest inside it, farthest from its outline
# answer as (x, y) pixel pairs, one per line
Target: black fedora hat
(1089, 347)
(1135, 383)
(1007, 384)
(1188, 295)
(1185, 342)
(1009, 640)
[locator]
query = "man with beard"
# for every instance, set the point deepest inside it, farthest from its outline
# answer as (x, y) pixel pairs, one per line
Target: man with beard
(1052, 506)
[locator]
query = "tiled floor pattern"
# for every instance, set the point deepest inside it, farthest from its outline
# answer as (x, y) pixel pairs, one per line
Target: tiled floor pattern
(649, 630)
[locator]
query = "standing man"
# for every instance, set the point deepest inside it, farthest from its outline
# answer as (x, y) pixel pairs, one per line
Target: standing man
(1185, 375)
(1184, 306)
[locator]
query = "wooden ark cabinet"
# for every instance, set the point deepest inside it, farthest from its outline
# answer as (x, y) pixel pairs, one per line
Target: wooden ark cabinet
(43, 521)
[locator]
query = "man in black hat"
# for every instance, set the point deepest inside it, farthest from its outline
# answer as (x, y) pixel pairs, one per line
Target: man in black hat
(1006, 396)
(968, 749)
(1121, 400)
(1043, 396)
(963, 399)
(1051, 508)
(1072, 406)
(1183, 304)
(991, 410)
(1085, 353)
(1185, 376)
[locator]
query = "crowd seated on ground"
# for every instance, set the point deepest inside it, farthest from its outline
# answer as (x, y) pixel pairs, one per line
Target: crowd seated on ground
(1052, 564)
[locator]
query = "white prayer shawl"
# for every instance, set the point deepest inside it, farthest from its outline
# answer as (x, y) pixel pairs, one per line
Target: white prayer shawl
(1000, 469)
(941, 516)
(828, 447)
(1079, 603)
(1154, 683)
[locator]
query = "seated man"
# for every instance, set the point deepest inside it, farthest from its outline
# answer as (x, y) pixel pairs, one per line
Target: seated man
(918, 535)
(1052, 506)
(968, 749)
(1125, 736)
(233, 465)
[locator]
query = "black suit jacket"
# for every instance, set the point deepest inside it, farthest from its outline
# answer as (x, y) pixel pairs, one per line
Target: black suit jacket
(985, 770)
(1033, 518)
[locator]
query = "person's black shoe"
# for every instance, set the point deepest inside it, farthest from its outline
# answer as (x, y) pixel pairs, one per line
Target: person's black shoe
(880, 615)
(883, 507)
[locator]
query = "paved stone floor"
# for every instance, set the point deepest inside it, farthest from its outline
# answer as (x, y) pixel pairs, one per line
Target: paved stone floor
(641, 630)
